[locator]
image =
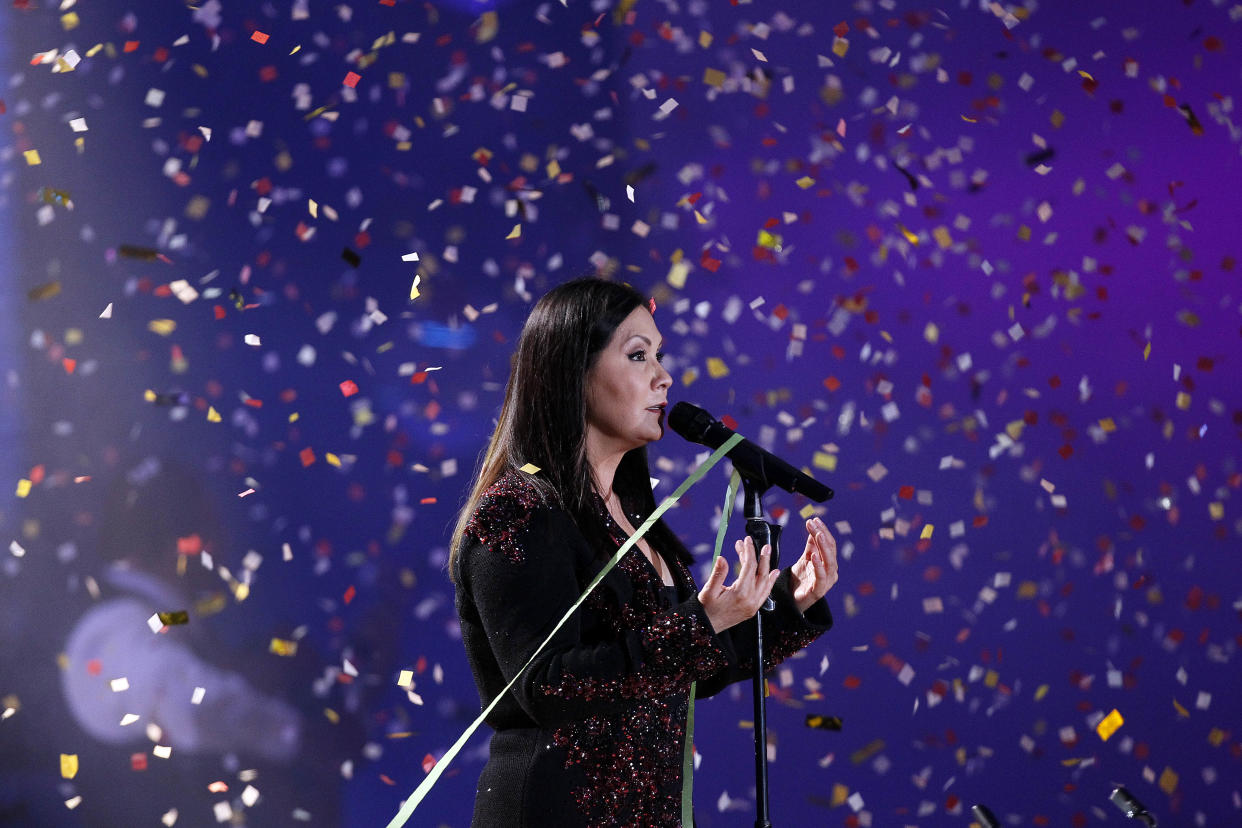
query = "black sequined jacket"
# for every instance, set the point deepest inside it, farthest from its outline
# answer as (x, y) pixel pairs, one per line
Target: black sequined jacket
(593, 731)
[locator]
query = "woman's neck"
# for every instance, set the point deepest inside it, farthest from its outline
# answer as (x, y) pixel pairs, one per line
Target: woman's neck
(603, 470)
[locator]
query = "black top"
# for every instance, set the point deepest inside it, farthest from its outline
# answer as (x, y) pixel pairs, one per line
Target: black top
(593, 731)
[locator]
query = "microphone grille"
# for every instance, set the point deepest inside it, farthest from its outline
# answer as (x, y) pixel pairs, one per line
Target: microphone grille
(689, 421)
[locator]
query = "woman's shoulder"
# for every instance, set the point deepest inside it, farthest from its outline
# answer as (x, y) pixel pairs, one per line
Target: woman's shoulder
(506, 511)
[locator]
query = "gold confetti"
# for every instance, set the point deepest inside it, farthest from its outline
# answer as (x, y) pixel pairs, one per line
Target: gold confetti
(68, 765)
(282, 647)
(529, 468)
(1109, 724)
(1168, 781)
(677, 273)
(824, 460)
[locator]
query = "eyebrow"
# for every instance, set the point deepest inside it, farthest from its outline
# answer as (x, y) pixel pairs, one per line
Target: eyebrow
(643, 338)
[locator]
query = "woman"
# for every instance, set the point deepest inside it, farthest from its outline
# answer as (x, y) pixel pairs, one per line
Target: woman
(592, 733)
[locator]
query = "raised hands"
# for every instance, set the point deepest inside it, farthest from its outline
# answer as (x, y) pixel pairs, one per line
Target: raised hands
(815, 572)
(810, 578)
(729, 605)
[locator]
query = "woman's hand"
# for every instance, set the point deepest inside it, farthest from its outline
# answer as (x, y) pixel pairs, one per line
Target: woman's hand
(729, 605)
(816, 571)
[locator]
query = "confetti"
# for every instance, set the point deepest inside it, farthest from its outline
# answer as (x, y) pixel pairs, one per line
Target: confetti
(818, 722)
(1109, 725)
(867, 246)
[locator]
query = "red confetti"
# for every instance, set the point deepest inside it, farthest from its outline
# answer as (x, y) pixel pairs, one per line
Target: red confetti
(429, 762)
(259, 37)
(349, 388)
(308, 456)
(351, 79)
(189, 545)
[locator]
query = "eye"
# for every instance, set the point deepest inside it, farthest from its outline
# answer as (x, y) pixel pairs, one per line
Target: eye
(659, 356)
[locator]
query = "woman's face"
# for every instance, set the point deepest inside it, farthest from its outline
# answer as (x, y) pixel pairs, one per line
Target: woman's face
(627, 388)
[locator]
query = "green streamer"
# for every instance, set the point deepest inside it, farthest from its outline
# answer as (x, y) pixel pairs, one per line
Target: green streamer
(687, 758)
(416, 798)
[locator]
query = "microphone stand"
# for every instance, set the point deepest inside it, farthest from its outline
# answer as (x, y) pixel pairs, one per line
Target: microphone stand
(762, 532)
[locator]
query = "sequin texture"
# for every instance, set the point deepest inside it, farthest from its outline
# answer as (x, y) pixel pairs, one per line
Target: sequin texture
(632, 762)
(504, 515)
(593, 734)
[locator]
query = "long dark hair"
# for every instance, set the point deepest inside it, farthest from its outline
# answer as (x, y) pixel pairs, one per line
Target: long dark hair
(543, 417)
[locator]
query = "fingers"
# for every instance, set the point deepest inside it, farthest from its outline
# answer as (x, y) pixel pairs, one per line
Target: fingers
(765, 560)
(715, 579)
(746, 560)
(734, 603)
(755, 575)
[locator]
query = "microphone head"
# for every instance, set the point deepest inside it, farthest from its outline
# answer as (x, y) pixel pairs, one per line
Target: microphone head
(985, 816)
(1125, 801)
(690, 421)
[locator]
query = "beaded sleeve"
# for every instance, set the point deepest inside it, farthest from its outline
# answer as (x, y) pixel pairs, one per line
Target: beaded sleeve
(522, 565)
(786, 630)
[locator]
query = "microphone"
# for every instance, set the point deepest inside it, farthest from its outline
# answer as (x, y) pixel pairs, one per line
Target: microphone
(986, 818)
(751, 461)
(1129, 805)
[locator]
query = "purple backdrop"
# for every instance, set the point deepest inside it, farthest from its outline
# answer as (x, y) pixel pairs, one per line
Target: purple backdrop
(973, 265)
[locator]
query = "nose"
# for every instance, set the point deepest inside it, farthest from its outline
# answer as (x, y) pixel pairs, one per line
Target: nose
(663, 378)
